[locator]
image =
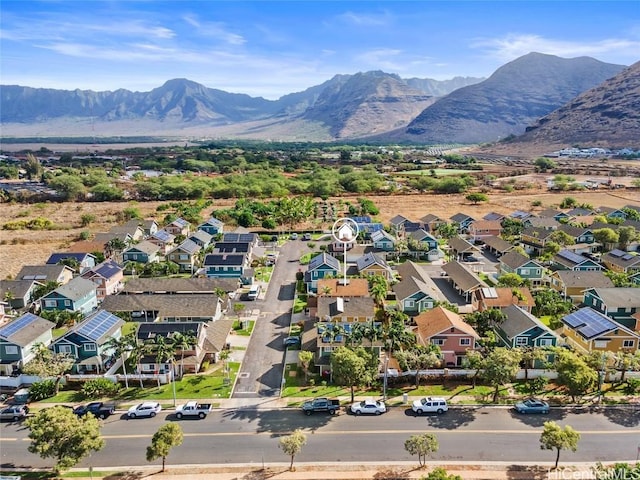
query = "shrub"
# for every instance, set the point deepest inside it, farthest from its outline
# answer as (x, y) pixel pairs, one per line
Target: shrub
(100, 387)
(632, 386)
(205, 366)
(43, 389)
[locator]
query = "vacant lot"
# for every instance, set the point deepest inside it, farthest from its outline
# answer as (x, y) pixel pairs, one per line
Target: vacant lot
(25, 247)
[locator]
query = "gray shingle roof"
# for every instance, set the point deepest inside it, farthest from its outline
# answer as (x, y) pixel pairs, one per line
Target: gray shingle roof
(586, 279)
(179, 285)
(497, 243)
(464, 278)
(518, 321)
(25, 329)
(167, 305)
(76, 288)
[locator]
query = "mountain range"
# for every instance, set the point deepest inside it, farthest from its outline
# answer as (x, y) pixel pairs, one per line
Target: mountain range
(371, 105)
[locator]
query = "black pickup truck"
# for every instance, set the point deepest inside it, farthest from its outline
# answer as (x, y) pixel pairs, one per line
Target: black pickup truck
(98, 409)
(321, 405)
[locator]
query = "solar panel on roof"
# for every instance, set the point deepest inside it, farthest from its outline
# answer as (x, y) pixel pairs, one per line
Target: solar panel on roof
(573, 320)
(628, 256)
(97, 325)
(571, 256)
(616, 253)
(17, 325)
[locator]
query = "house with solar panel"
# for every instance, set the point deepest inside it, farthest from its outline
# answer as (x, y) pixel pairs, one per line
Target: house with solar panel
(320, 266)
(108, 278)
(178, 227)
(591, 331)
(17, 339)
(162, 239)
(230, 266)
(621, 261)
(46, 273)
(212, 226)
(383, 241)
(621, 304)
(568, 260)
(87, 341)
(85, 260)
(79, 295)
(373, 264)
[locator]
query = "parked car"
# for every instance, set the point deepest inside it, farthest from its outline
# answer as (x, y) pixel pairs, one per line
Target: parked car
(532, 405)
(291, 341)
(306, 237)
(98, 409)
(371, 407)
(430, 405)
(193, 409)
(470, 259)
(14, 413)
(254, 292)
(294, 236)
(145, 409)
(322, 404)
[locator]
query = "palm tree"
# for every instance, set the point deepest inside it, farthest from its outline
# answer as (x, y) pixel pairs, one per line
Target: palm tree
(120, 347)
(182, 342)
(378, 287)
(165, 352)
(372, 332)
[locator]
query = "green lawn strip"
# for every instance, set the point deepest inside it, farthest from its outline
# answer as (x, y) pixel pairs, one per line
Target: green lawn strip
(246, 331)
(129, 327)
(58, 332)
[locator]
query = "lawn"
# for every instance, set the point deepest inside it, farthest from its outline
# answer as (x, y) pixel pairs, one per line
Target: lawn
(210, 386)
(248, 324)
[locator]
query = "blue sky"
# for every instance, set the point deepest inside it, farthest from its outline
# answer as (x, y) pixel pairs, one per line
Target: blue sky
(269, 49)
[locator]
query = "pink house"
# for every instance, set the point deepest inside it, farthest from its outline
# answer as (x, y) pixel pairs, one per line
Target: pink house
(481, 229)
(447, 330)
(107, 276)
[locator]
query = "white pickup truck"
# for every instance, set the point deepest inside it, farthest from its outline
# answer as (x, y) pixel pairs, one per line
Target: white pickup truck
(193, 409)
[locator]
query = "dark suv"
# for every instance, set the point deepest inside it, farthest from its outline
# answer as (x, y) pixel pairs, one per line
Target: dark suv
(98, 409)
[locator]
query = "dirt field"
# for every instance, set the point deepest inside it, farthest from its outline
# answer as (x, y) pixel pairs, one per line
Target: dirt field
(24, 247)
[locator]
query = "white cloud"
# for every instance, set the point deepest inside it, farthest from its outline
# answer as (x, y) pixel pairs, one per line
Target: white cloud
(365, 19)
(214, 30)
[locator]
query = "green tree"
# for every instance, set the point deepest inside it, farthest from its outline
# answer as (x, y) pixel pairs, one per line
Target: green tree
(486, 320)
(33, 167)
(574, 373)
(549, 302)
(41, 390)
(555, 437)
(46, 364)
(87, 219)
(499, 367)
(543, 164)
(419, 359)
(59, 433)
(447, 230)
(292, 445)
(168, 436)
(510, 280)
(48, 287)
(476, 198)
(626, 235)
(440, 473)
(305, 357)
(422, 446)
(99, 387)
(350, 367)
(607, 237)
(568, 202)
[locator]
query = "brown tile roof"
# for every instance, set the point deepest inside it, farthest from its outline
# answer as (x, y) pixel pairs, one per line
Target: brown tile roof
(437, 320)
(357, 287)
(505, 296)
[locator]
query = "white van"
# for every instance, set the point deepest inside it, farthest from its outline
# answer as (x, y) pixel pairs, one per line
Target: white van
(254, 292)
(430, 405)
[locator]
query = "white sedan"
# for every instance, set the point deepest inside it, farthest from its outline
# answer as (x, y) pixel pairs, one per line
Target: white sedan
(146, 409)
(372, 407)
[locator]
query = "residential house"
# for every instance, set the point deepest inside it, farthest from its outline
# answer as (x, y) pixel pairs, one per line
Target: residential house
(108, 278)
(431, 222)
(521, 215)
(514, 262)
(162, 239)
(212, 226)
(88, 341)
(180, 286)
(397, 224)
(185, 255)
(492, 216)
(611, 212)
(178, 227)
(343, 314)
(503, 297)
(552, 213)
(84, 260)
(568, 260)
(96, 247)
(149, 226)
(233, 247)
(109, 238)
(463, 220)
(201, 238)
(545, 223)
(383, 241)
(167, 307)
(422, 241)
(241, 236)
(187, 360)
(320, 266)
(497, 246)
(366, 226)
(481, 229)
(534, 239)
(78, 295)
(460, 248)
(635, 278)
(571, 284)
(592, 331)
(18, 293)
(448, 331)
(522, 329)
(579, 234)
(46, 273)
(131, 231)
(143, 252)
(580, 212)
(18, 339)
(335, 287)
(229, 265)
(373, 264)
(464, 280)
(415, 291)
(618, 303)
(620, 261)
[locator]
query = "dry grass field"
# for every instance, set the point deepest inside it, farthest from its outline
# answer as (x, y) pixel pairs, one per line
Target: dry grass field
(25, 247)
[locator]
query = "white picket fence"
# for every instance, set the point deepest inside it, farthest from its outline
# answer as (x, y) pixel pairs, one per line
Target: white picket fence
(13, 383)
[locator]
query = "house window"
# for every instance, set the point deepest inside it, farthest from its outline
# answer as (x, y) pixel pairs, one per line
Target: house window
(625, 344)
(545, 342)
(410, 304)
(13, 350)
(50, 303)
(465, 342)
(521, 341)
(600, 344)
(524, 271)
(89, 347)
(64, 348)
(67, 303)
(183, 256)
(437, 341)
(133, 256)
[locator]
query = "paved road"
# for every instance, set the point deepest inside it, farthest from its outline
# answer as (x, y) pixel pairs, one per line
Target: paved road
(250, 436)
(262, 366)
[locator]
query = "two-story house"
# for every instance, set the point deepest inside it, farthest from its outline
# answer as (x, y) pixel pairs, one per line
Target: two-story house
(416, 291)
(18, 339)
(108, 278)
(571, 284)
(449, 332)
(46, 273)
(422, 241)
(557, 215)
(534, 239)
(591, 331)
(579, 234)
(162, 239)
(229, 265)
(87, 341)
(320, 266)
(373, 264)
(481, 229)
(514, 262)
(383, 241)
(201, 238)
(620, 261)
(212, 226)
(463, 221)
(18, 293)
(143, 252)
(618, 303)
(568, 260)
(522, 329)
(431, 222)
(397, 224)
(84, 260)
(178, 227)
(79, 295)
(167, 307)
(185, 255)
